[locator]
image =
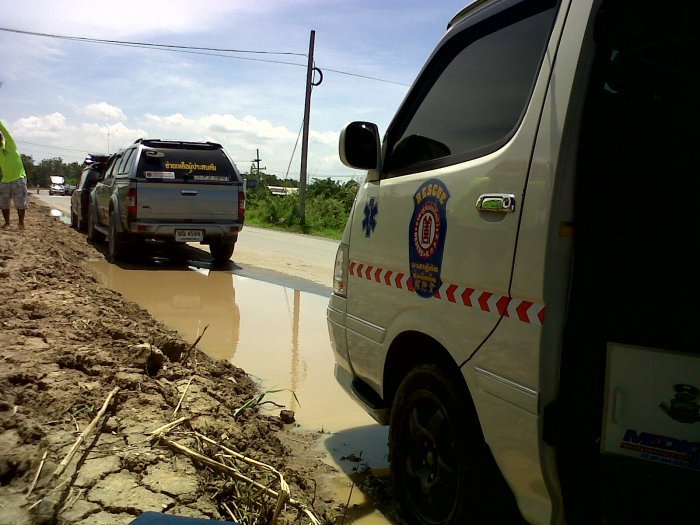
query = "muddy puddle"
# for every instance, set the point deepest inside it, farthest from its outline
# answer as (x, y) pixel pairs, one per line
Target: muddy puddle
(275, 332)
(60, 215)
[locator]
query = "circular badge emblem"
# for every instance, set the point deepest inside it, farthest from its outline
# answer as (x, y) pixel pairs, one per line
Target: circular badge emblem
(427, 229)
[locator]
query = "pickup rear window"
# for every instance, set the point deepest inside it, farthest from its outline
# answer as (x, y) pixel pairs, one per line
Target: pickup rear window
(186, 165)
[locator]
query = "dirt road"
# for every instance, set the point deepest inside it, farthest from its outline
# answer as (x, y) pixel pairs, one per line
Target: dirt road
(83, 369)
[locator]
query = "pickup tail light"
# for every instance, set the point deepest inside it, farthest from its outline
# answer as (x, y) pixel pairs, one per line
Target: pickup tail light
(131, 204)
(241, 204)
(340, 274)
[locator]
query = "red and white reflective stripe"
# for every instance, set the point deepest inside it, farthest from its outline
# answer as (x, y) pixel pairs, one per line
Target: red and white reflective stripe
(522, 310)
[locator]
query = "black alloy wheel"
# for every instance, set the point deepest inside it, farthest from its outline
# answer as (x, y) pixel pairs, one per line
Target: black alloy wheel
(433, 449)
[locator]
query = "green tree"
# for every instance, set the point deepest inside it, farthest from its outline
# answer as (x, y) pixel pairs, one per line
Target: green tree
(323, 188)
(30, 170)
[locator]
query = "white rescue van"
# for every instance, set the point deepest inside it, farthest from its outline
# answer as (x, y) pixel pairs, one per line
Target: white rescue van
(516, 290)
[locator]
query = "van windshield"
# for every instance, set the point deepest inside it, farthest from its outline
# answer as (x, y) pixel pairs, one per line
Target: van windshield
(186, 165)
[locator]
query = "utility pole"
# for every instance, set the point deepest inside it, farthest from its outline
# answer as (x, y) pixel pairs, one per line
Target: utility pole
(305, 136)
(257, 160)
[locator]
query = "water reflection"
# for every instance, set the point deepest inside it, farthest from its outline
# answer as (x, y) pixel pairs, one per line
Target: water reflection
(58, 214)
(186, 300)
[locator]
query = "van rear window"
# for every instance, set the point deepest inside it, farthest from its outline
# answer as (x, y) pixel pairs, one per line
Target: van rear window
(185, 165)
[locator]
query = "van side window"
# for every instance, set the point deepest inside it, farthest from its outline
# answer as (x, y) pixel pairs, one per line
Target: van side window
(125, 163)
(472, 94)
(112, 169)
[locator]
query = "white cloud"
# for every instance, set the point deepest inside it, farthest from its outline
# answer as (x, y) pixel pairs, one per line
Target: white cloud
(327, 137)
(102, 110)
(48, 125)
(176, 120)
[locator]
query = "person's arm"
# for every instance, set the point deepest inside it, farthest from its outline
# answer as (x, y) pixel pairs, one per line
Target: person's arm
(6, 139)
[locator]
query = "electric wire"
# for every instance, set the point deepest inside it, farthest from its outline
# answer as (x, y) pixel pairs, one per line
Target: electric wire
(196, 50)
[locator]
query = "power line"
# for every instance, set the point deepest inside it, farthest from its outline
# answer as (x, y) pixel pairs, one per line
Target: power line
(193, 50)
(163, 47)
(48, 146)
(367, 77)
(147, 44)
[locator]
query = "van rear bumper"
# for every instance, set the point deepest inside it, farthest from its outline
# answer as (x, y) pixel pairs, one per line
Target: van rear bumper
(227, 232)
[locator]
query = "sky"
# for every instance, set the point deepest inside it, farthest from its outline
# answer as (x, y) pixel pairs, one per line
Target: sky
(66, 97)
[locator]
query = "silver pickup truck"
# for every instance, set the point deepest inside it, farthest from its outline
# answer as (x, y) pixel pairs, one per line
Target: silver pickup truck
(170, 191)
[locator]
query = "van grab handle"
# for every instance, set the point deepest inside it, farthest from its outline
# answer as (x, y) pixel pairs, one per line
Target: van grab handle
(498, 202)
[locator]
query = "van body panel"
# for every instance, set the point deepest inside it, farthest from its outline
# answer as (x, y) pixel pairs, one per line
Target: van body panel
(535, 326)
(512, 436)
(478, 269)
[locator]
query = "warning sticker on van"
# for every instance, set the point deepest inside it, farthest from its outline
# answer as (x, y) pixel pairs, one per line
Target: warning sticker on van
(426, 236)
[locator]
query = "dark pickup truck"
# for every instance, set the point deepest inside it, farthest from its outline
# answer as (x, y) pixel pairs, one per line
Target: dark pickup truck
(170, 191)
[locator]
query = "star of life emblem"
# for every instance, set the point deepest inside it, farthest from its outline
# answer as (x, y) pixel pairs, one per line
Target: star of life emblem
(369, 223)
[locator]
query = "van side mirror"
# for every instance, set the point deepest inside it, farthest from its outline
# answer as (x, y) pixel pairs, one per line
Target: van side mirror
(359, 146)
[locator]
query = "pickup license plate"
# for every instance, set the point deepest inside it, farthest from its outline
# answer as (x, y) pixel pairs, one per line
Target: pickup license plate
(189, 235)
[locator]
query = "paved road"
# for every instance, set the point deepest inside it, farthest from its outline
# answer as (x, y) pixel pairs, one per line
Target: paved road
(59, 202)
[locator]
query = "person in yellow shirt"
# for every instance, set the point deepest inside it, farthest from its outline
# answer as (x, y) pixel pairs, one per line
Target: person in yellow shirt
(13, 179)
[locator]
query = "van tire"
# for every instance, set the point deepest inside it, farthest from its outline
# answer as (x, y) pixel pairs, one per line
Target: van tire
(92, 233)
(434, 449)
(116, 247)
(221, 251)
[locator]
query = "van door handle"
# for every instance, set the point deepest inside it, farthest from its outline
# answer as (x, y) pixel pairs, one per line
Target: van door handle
(188, 192)
(498, 202)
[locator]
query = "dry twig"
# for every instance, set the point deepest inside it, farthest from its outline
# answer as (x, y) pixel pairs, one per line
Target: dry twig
(167, 427)
(38, 473)
(64, 463)
(233, 517)
(182, 396)
(196, 341)
(222, 467)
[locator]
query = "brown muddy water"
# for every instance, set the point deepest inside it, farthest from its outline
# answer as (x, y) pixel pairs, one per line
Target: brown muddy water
(274, 327)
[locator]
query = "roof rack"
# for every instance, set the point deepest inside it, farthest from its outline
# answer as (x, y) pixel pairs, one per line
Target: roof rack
(177, 143)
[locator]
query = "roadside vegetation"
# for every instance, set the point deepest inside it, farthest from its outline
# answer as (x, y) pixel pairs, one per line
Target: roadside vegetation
(328, 204)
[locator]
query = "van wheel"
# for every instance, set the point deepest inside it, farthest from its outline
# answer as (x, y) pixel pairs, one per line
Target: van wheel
(82, 222)
(221, 251)
(92, 234)
(434, 449)
(116, 247)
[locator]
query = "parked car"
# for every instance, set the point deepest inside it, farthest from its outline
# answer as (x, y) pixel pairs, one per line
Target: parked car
(57, 185)
(93, 168)
(171, 191)
(513, 295)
